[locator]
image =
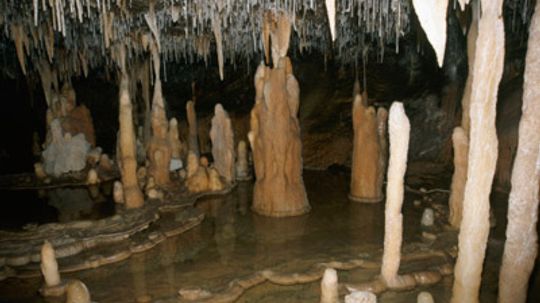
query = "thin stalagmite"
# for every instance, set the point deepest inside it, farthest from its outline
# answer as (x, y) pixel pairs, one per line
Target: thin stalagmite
(366, 154)
(399, 129)
(521, 247)
(329, 286)
(459, 178)
(222, 137)
(133, 197)
(49, 266)
(474, 228)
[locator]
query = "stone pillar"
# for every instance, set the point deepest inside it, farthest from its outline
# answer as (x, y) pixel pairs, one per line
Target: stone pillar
(222, 137)
(366, 153)
(399, 129)
(159, 149)
(459, 178)
(133, 197)
(521, 247)
(329, 286)
(49, 266)
(193, 140)
(474, 228)
(275, 132)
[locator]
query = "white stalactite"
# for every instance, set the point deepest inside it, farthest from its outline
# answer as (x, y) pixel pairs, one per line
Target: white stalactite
(432, 17)
(331, 11)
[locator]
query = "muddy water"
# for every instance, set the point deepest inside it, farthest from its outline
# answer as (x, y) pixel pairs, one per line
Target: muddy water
(233, 242)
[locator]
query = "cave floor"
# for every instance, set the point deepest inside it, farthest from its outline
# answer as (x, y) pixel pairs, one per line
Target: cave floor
(233, 242)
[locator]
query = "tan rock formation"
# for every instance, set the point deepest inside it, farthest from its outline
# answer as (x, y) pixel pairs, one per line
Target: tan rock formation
(242, 165)
(329, 286)
(159, 150)
(118, 192)
(200, 177)
(275, 141)
(222, 137)
(459, 178)
(214, 180)
(133, 196)
(92, 177)
(77, 292)
(474, 228)
(366, 153)
(49, 266)
(174, 139)
(521, 247)
(193, 140)
(399, 129)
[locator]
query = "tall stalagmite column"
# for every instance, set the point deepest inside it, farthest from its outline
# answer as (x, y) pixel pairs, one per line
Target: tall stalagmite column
(366, 153)
(521, 245)
(222, 137)
(399, 129)
(275, 131)
(460, 141)
(133, 197)
(474, 229)
(193, 139)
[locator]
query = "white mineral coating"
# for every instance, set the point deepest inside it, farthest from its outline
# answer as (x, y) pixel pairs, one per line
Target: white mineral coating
(428, 217)
(65, 153)
(361, 297)
(49, 267)
(329, 286)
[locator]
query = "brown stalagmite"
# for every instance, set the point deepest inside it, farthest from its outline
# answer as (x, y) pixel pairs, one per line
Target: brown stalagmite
(382, 131)
(159, 149)
(399, 129)
(474, 228)
(521, 247)
(133, 197)
(459, 178)
(275, 135)
(222, 138)
(193, 140)
(366, 153)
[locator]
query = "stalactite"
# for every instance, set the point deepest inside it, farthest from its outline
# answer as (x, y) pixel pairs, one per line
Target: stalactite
(216, 28)
(482, 156)
(521, 247)
(432, 17)
(331, 12)
(21, 43)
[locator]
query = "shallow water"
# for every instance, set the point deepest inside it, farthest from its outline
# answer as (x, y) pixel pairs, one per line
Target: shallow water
(233, 242)
(21, 208)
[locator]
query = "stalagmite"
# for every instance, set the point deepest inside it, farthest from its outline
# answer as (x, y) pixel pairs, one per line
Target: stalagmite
(366, 153)
(222, 137)
(118, 192)
(521, 247)
(399, 129)
(193, 140)
(133, 197)
(474, 228)
(275, 133)
(159, 148)
(331, 12)
(432, 17)
(242, 165)
(174, 139)
(459, 178)
(92, 178)
(77, 292)
(424, 297)
(471, 50)
(49, 266)
(382, 132)
(329, 286)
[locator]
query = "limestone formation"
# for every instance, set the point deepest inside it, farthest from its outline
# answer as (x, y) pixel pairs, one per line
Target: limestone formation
(361, 297)
(424, 297)
(459, 178)
(200, 177)
(174, 139)
(521, 247)
(77, 292)
(222, 137)
(399, 129)
(329, 286)
(105, 163)
(133, 197)
(49, 266)
(64, 153)
(366, 154)
(242, 165)
(193, 139)
(159, 149)
(118, 192)
(214, 180)
(474, 228)
(275, 132)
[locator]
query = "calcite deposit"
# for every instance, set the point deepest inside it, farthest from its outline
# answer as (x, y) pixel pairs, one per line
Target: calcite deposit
(222, 137)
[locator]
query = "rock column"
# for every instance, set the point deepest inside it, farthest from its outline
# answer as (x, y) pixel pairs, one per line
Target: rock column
(222, 137)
